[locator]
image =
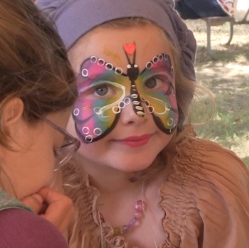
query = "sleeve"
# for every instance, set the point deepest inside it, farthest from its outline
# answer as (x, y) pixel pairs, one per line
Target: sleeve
(23, 229)
(206, 198)
(224, 205)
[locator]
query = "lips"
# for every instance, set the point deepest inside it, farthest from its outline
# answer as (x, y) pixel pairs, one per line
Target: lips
(135, 141)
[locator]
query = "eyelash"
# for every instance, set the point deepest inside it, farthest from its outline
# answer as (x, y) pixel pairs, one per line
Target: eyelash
(110, 90)
(164, 81)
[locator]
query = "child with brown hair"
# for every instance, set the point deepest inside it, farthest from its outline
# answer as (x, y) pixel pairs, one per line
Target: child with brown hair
(37, 91)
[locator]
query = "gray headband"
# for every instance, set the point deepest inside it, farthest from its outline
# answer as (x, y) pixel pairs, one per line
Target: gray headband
(74, 18)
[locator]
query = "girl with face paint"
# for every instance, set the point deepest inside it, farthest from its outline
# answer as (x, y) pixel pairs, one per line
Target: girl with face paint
(141, 178)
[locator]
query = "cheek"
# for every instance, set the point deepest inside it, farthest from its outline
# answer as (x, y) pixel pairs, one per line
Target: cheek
(90, 150)
(47, 159)
(166, 139)
(47, 164)
(39, 170)
(95, 152)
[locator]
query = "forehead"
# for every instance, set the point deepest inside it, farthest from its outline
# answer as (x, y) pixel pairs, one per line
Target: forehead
(107, 43)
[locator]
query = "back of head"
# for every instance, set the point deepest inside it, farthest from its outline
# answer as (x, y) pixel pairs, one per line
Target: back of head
(33, 61)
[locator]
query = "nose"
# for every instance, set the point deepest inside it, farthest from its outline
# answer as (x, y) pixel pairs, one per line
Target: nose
(129, 116)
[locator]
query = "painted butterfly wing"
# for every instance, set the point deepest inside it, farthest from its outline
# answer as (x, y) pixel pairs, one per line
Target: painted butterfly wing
(160, 100)
(96, 116)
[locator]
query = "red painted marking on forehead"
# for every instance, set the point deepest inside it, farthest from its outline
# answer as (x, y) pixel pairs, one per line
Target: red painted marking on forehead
(130, 48)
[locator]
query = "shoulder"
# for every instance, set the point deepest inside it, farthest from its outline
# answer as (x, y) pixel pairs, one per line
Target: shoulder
(27, 230)
(206, 195)
(204, 163)
(209, 158)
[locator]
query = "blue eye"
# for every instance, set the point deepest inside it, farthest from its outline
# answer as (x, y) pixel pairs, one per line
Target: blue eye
(104, 91)
(154, 83)
(101, 90)
(151, 83)
(157, 83)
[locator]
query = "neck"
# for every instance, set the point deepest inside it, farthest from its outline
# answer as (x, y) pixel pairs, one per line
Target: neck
(5, 180)
(108, 180)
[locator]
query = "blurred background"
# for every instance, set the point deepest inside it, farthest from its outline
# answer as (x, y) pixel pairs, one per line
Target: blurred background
(226, 74)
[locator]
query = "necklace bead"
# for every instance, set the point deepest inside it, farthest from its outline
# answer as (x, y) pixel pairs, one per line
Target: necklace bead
(117, 231)
(139, 212)
(139, 208)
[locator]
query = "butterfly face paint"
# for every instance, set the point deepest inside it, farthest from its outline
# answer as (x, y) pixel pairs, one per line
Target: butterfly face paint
(104, 90)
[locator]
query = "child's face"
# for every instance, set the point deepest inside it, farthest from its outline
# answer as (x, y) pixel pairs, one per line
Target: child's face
(127, 110)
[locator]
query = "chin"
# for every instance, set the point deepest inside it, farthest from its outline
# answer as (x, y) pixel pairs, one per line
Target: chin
(134, 166)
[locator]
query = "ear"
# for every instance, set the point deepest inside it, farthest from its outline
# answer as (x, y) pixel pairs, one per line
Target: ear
(12, 112)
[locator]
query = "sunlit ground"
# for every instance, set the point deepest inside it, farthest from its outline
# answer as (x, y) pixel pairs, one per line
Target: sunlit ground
(226, 74)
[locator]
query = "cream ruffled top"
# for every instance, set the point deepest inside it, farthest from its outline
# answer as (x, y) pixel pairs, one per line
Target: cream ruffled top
(205, 199)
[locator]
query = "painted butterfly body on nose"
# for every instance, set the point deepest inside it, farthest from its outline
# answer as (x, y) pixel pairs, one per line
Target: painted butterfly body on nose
(96, 115)
(133, 73)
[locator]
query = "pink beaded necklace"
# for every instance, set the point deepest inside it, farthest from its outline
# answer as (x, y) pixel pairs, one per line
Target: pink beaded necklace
(139, 213)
